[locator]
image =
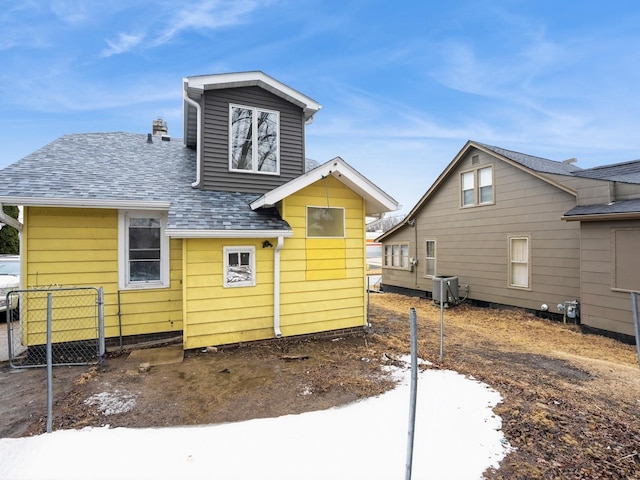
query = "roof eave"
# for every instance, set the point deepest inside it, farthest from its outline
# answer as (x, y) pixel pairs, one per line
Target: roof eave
(601, 217)
(376, 200)
(84, 203)
(235, 233)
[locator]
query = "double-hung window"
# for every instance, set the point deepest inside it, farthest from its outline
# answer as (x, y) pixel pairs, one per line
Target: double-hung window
(519, 265)
(143, 257)
(239, 266)
(430, 258)
(254, 140)
(477, 187)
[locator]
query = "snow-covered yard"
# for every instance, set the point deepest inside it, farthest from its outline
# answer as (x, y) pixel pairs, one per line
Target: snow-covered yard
(457, 437)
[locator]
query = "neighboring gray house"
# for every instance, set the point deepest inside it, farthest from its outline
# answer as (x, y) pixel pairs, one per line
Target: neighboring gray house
(524, 231)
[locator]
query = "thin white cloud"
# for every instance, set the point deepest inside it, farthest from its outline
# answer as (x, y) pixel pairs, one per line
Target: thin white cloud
(207, 15)
(123, 43)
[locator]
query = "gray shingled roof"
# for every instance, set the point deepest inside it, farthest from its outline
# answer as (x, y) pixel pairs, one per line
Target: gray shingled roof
(538, 164)
(124, 167)
(627, 206)
(626, 172)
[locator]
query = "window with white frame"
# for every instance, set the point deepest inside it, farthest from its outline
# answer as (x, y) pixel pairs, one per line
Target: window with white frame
(325, 222)
(143, 250)
(396, 255)
(239, 266)
(430, 258)
(480, 195)
(519, 267)
(254, 140)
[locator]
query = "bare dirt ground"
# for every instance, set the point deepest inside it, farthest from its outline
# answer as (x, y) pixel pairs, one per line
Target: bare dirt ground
(571, 402)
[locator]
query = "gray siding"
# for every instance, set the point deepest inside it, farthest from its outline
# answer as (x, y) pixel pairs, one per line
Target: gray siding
(215, 163)
(602, 306)
(472, 243)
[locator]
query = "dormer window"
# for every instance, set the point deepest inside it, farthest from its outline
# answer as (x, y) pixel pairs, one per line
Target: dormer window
(254, 140)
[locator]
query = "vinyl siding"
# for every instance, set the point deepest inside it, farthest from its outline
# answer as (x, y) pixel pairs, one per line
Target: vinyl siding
(473, 242)
(216, 174)
(79, 247)
(323, 280)
(219, 315)
(602, 306)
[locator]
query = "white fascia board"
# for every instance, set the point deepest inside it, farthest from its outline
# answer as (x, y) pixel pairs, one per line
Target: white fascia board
(377, 201)
(255, 78)
(192, 233)
(85, 203)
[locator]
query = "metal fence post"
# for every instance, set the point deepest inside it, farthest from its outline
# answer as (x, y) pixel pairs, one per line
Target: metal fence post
(49, 365)
(414, 391)
(101, 348)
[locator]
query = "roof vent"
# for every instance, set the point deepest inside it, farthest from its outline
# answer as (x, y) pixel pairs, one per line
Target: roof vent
(165, 138)
(149, 138)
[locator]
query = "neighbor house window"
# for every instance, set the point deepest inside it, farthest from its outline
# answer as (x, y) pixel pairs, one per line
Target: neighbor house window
(480, 195)
(239, 266)
(325, 222)
(254, 140)
(143, 250)
(396, 255)
(519, 267)
(430, 258)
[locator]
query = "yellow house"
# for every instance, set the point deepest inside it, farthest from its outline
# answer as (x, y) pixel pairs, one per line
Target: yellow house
(224, 237)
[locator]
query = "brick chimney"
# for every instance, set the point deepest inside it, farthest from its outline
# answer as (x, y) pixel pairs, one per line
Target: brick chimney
(159, 127)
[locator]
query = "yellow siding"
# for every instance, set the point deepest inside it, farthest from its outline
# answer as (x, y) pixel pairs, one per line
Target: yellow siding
(79, 247)
(323, 279)
(220, 315)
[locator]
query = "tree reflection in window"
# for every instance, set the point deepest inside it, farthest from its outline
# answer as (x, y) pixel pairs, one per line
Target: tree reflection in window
(325, 222)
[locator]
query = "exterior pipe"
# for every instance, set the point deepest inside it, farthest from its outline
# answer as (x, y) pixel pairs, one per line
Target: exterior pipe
(276, 287)
(196, 105)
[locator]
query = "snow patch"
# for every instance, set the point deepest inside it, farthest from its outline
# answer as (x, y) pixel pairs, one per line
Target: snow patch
(112, 403)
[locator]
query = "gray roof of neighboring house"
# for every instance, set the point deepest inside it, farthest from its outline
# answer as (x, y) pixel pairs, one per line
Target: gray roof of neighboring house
(125, 167)
(626, 206)
(538, 164)
(625, 172)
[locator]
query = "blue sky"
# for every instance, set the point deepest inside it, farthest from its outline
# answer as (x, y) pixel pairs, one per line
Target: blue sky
(403, 85)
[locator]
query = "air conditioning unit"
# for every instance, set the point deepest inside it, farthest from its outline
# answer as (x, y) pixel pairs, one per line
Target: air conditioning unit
(448, 285)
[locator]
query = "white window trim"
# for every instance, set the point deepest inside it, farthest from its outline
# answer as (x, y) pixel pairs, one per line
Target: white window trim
(399, 256)
(510, 283)
(225, 262)
(123, 250)
(435, 258)
(344, 221)
(254, 155)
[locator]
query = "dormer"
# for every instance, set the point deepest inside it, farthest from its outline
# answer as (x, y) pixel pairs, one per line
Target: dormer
(248, 130)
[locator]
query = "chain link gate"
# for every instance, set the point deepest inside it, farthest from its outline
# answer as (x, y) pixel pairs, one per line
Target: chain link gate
(77, 326)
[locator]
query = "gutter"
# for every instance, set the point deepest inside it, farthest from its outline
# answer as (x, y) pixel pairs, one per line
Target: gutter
(196, 105)
(276, 287)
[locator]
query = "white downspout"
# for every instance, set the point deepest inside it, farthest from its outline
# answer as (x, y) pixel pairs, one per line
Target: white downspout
(276, 287)
(196, 105)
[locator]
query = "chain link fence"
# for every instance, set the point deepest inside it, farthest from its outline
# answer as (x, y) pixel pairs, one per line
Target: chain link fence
(76, 320)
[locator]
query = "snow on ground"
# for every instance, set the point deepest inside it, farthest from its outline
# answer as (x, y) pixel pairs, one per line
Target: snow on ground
(457, 437)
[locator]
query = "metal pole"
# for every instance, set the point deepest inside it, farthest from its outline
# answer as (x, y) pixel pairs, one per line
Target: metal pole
(441, 319)
(414, 391)
(101, 348)
(636, 322)
(49, 366)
